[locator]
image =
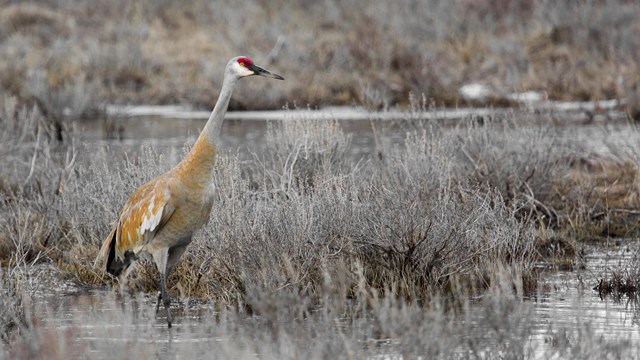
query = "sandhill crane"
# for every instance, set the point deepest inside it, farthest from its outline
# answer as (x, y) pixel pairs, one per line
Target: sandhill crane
(161, 216)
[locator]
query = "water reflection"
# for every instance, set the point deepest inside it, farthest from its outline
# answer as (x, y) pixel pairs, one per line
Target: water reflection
(107, 325)
(110, 325)
(243, 136)
(574, 304)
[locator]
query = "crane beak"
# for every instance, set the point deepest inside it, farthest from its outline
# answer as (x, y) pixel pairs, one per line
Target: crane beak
(257, 70)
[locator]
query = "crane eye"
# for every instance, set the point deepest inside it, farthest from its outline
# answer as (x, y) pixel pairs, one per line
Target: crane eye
(242, 64)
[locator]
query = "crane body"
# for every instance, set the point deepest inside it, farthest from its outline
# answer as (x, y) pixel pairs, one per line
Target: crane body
(160, 218)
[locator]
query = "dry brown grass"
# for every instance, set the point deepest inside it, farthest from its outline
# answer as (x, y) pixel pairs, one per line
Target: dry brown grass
(439, 213)
(300, 231)
(600, 198)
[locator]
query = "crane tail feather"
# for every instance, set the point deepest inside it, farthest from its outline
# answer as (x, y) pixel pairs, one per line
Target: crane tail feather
(106, 258)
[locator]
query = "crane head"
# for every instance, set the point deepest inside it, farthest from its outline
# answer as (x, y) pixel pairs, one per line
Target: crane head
(243, 66)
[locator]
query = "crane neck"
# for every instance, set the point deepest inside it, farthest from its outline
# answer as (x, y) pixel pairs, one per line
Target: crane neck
(198, 164)
(213, 127)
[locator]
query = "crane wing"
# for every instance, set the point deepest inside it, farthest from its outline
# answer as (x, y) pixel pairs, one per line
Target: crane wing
(146, 212)
(143, 215)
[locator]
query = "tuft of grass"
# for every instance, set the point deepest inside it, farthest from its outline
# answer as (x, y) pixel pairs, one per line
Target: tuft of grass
(617, 284)
(35, 170)
(11, 309)
(621, 280)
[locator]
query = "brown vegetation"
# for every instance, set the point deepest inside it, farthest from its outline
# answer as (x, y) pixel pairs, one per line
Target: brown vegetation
(73, 57)
(439, 213)
(453, 212)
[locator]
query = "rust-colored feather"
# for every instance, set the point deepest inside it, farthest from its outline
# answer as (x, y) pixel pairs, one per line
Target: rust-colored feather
(143, 215)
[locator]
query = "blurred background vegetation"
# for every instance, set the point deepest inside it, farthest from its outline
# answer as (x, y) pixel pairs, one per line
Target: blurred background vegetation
(73, 57)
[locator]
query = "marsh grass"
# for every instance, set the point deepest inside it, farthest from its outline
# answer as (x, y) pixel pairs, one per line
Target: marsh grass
(441, 211)
(300, 228)
(11, 315)
(617, 284)
(36, 169)
(621, 281)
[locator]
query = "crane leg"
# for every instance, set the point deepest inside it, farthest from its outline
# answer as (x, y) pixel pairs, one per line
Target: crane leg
(160, 258)
(165, 296)
(124, 277)
(158, 302)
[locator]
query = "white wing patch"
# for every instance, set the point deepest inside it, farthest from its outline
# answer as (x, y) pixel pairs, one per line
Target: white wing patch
(150, 223)
(146, 212)
(149, 226)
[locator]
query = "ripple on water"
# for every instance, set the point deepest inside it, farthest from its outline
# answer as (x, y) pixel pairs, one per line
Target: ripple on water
(574, 305)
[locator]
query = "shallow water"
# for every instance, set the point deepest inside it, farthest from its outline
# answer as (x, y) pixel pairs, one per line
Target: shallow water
(572, 302)
(243, 132)
(106, 325)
